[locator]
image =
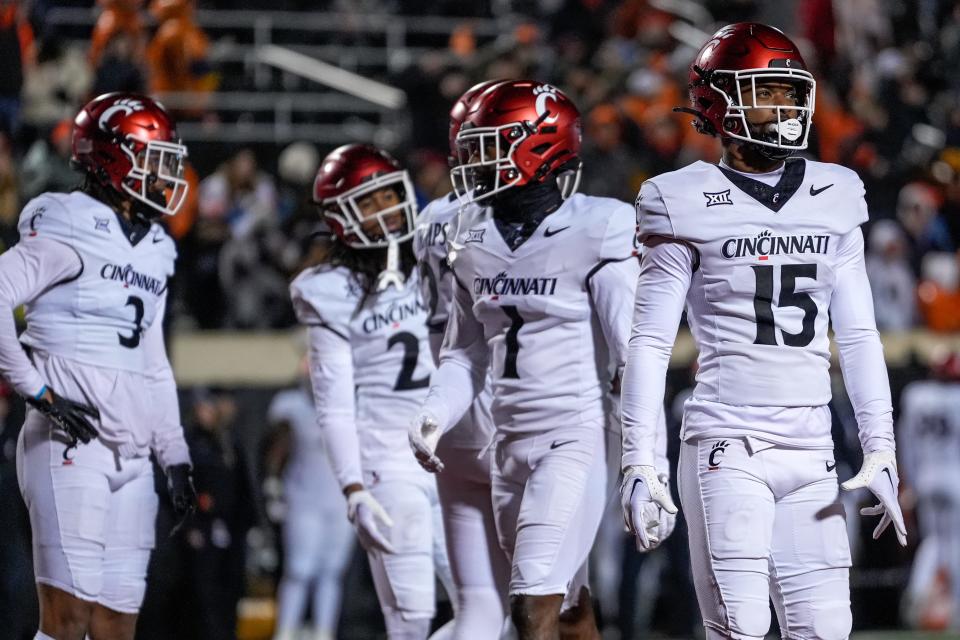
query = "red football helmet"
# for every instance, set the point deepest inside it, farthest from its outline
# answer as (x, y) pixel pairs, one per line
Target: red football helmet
(128, 143)
(744, 53)
(349, 174)
(459, 111)
(515, 133)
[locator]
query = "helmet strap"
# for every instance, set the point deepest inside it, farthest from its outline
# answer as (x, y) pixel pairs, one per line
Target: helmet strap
(391, 275)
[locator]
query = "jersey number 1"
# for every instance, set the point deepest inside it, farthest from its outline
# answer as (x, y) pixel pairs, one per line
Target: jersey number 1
(513, 341)
(763, 303)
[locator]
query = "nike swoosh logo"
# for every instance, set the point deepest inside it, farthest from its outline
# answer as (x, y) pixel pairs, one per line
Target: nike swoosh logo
(831, 467)
(552, 232)
(157, 238)
(560, 444)
(890, 478)
(816, 192)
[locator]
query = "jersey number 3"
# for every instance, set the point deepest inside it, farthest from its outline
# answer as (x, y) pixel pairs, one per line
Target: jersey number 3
(763, 303)
(133, 340)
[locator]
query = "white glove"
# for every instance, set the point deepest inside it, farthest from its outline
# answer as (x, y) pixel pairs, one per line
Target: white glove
(424, 434)
(363, 511)
(648, 509)
(879, 474)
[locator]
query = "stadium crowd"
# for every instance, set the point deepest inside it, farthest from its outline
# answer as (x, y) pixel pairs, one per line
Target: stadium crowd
(888, 83)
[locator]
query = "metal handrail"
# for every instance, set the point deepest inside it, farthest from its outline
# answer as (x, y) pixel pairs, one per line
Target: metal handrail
(327, 22)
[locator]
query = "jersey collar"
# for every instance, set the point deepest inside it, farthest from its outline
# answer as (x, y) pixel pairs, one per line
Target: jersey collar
(135, 229)
(772, 197)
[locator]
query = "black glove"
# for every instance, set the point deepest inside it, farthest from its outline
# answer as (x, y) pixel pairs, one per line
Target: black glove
(182, 493)
(72, 417)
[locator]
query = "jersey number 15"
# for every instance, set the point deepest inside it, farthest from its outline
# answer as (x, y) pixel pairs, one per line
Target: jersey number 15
(789, 297)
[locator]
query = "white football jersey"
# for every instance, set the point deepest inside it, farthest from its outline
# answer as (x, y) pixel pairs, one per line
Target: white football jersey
(766, 268)
(929, 436)
(435, 223)
(549, 361)
(758, 302)
(308, 478)
(99, 317)
(387, 336)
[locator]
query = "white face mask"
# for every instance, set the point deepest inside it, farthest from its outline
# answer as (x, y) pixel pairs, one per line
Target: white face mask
(158, 163)
(791, 129)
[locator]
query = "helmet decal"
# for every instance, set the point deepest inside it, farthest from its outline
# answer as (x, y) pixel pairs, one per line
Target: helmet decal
(126, 106)
(544, 93)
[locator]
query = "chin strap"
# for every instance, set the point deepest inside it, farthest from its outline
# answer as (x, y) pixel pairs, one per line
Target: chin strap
(392, 274)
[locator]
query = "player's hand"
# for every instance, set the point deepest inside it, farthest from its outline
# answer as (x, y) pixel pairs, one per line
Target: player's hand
(424, 434)
(648, 509)
(879, 474)
(72, 417)
(182, 493)
(364, 511)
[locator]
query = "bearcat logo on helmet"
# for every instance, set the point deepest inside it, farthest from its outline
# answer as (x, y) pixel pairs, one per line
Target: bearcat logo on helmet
(546, 93)
(126, 106)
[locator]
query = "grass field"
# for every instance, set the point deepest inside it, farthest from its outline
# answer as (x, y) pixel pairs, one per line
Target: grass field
(904, 635)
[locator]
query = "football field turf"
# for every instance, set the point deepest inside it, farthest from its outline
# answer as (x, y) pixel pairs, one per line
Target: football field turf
(903, 635)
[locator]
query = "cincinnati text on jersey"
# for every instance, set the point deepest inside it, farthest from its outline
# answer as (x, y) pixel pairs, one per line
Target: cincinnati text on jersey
(131, 277)
(766, 244)
(394, 314)
(504, 285)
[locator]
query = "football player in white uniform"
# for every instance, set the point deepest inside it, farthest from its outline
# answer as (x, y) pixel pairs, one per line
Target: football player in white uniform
(479, 567)
(763, 251)
(370, 366)
(929, 433)
(92, 268)
(317, 540)
(541, 299)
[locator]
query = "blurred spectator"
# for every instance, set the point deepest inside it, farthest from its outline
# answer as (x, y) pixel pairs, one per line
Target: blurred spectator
(917, 210)
(46, 165)
(197, 278)
(253, 271)
(891, 278)
(240, 194)
(119, 68)
(250, 263)
(9, 196)
(610, 168)
(18, 600)
(318, 541)
(117, 17)
(18, 55)
(215, 537)
(60, 81)
(300, 221)
(178, 54)
(939, 292)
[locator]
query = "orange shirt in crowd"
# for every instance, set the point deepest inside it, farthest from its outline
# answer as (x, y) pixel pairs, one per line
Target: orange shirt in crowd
(118, 16)
(177, 55)
(940, 308)
(9, 16)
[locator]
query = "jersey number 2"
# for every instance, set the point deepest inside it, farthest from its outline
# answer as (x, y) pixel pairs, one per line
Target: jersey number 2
(763, 303)
(133, 340)
(411, 354)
